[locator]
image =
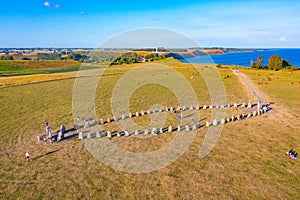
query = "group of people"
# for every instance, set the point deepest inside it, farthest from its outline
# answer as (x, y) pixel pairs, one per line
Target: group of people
(56, 137)
(292, 154)
(50, 137)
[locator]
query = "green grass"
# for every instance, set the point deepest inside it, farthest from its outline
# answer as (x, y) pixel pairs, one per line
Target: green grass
(7, 67)
(17, 68)
(248, 161)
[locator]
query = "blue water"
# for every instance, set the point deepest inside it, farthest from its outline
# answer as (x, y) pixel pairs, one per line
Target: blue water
(244, 58)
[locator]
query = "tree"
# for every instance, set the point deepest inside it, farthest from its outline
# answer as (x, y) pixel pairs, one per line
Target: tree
(277, 63)
(7, 57)
(77, 57)
(259, 63)
(48, 56)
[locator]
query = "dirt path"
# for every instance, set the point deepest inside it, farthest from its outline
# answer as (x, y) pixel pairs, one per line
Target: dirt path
(251, 88)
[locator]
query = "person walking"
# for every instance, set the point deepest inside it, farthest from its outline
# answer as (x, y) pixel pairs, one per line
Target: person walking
(48, 131)
(27, 156)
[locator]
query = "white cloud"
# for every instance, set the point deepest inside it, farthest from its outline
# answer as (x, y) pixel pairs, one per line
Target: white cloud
(282, 38)
(56, 6)
(82, 12)
(49, 5)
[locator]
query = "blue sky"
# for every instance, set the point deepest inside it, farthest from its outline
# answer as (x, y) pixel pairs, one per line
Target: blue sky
(66, 23)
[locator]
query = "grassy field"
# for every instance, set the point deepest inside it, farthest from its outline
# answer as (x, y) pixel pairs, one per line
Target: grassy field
(248, 161)
(22, 67)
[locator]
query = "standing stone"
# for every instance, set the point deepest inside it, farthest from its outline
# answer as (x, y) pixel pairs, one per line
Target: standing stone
(235, 105)
(228, 106)
(184, 108)
(123, 116)
(254, 113)
(191, 108)
(217, 106)
(127, 133)
(108, 134)
(89, 135)
(108, 120)
(116, 118)
(161, 110)
(154, 131)
(40, 138)
(118, 134)
(137, 114)
(146, 132)
(249, 105)
(265, 108)
(243, 105)
(197, 107)
(249, 115)
(211, 106)
(142, 113)
(171, 109)
(204, 107)
(228, 119)
(258, 105)
(207, 124)
(178, 108)
(148, 112)
(101, 121)
(86, 125)
(80, 136)
(98, 134)
(161, 130)
(194, 127)
(258, 112)
(170, 129)
(223, 121)
(167, 109)
(130, 115)
(136, 132)
(187, 127)
(178, 128)
(59, 136)
(215, 122)
(222, 106)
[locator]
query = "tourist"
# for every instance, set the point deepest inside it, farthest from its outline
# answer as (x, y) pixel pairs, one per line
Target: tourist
(292, 154)
(180, 116)
(288, 153)
(48, 131)
(295, 157)
(27, 156)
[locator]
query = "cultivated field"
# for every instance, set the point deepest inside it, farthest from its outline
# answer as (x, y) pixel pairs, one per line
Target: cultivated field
(248, 162)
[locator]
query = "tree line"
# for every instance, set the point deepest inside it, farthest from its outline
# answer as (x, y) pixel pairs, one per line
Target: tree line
(275, 62)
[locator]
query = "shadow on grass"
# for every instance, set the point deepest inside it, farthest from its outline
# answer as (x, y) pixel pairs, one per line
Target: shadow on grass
(46, 154)
(69, 137)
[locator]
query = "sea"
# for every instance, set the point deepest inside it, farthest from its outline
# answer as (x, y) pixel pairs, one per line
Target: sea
(245, 58)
